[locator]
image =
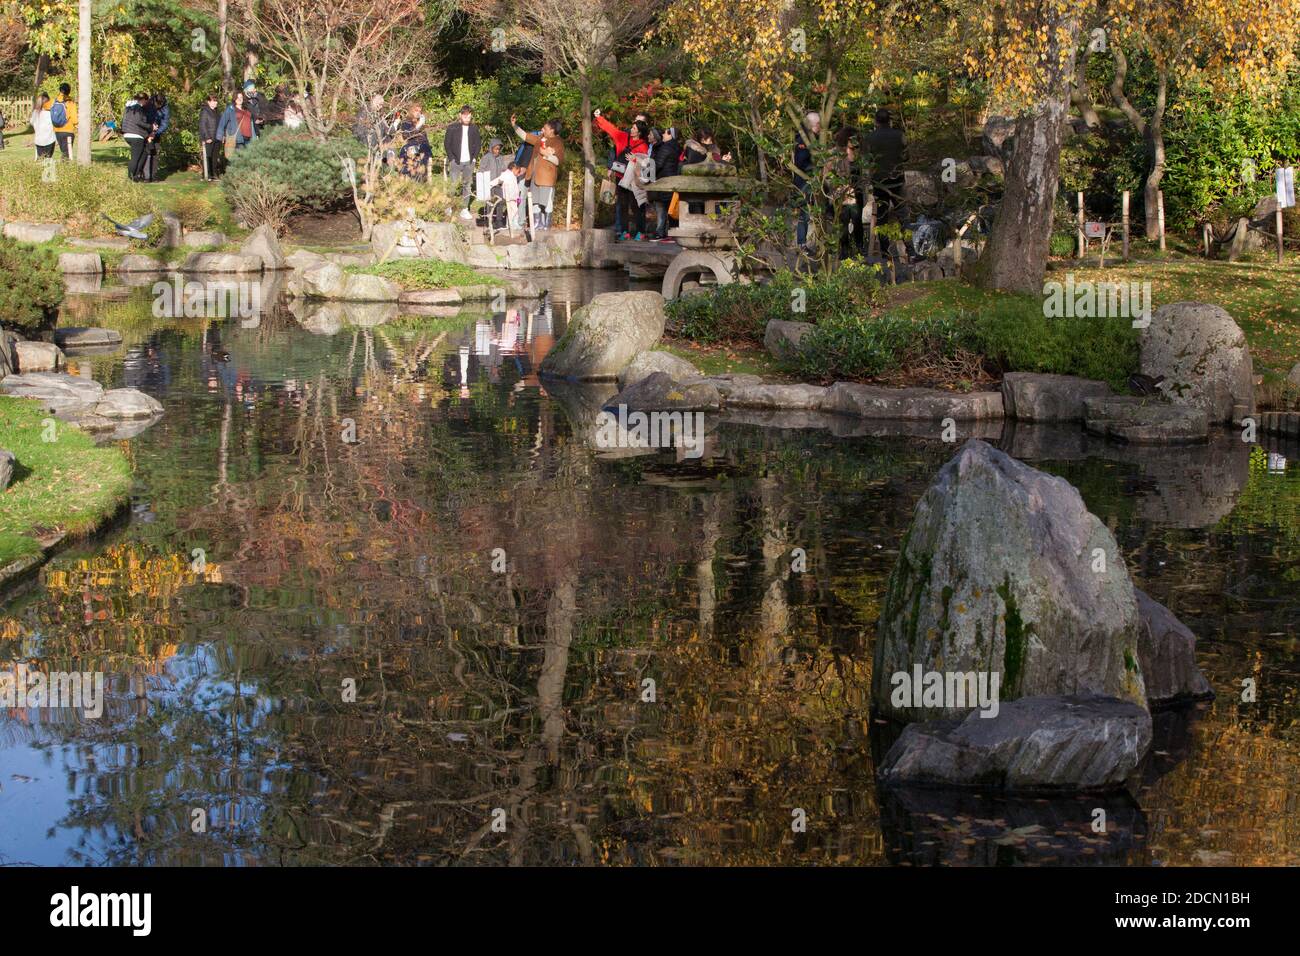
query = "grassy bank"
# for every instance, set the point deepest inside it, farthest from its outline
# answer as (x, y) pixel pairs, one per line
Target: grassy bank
(64, 486)
(427, 274)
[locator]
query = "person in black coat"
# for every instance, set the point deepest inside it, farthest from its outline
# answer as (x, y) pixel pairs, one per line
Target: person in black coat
(667, 158)
(209, 117)
(462, 143)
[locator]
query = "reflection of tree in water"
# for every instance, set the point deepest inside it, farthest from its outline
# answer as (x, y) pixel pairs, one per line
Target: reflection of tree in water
(372, 561)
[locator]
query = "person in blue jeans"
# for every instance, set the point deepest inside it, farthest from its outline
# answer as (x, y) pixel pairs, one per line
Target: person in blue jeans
(803, 162)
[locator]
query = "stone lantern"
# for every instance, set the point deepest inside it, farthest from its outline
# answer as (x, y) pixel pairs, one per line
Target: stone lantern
(704, 191)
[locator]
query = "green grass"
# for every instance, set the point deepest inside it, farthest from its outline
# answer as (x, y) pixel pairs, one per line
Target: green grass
(110, 159)
(427, 274)
(721, 360)
(67, 485)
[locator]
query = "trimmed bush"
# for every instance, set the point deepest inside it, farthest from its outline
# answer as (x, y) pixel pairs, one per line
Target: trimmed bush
(310, 171)
(32, 288)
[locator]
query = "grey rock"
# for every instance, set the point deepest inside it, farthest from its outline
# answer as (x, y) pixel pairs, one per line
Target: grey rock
(202, 239)
(1034, 397)
(1167, 652)
(920, 189)
(38, 356)
(1142, 420)
(368, 288)
(1293, 376)
(222, 262)
(930, 404)
(1203, 358)
(775, 396)
(605, 335)
(782, 339)
(7, 461)
(324, 281)
(140, 264)
(172, 230)
(996, 575)
(72, 337)
(127, 403)
(987, 166)
(263, 244)
(302, 259)
(80, 263)
(56, 391)
(430, 297)
(8, 358)
(1033, 744)
(658, 392)
(651, 361)
(33, 231)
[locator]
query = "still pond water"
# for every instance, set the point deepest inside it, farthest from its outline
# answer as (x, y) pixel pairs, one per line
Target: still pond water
(265, 562)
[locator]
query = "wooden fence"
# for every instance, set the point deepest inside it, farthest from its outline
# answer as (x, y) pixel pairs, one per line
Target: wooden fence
(16, 110)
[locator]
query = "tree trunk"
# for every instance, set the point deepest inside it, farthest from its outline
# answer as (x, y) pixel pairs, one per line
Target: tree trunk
(1081, 95)
(1155, 143)
(588, 162)
(1016, 257)
(42, 67)
(84, 97)
(223, 26)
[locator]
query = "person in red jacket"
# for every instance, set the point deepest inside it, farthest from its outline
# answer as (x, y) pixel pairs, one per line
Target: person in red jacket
(627, 143)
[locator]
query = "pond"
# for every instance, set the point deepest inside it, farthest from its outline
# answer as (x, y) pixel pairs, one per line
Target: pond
(563, 654)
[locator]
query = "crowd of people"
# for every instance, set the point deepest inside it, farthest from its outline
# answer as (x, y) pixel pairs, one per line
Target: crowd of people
(518, 188)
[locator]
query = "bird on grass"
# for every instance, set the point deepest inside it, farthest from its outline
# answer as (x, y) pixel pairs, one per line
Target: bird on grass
(135, 229)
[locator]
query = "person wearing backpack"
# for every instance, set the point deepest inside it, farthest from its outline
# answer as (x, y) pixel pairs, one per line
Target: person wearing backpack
(63, 115)
(42, 127)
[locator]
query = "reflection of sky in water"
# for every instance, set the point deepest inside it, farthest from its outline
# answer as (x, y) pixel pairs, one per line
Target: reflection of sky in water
(477, 689)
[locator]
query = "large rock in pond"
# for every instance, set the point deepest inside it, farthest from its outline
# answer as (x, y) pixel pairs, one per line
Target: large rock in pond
(86, 337)
(263, 244)
(1034, 397)
(1035, 743)
(658, 392)
(1145, 420)
(605, 335)
(651, 361)
(324, 281)
(138, 263)
(368, 288)
(1200, 357)
(38, 356)
(910, 404)
(782, 339)
(80, 263)
(1167, 654)
(1005, 572)
(57, 392)
(128, 403)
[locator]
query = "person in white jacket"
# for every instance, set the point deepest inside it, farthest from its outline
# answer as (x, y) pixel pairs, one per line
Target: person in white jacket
(510, 193)
(43, 127)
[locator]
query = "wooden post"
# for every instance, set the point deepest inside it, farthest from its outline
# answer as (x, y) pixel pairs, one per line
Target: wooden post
(1083, 240)
(528, 226)
(1281, 256)
(873, 241)
(1160, 217)
(568, 213)
(1126, 195)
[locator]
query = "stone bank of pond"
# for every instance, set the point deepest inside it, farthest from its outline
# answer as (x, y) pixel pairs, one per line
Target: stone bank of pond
(265, 561)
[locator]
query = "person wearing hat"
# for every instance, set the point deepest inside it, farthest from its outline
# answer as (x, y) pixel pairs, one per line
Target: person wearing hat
(463, 143)
(493, 164)
(256, 105)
